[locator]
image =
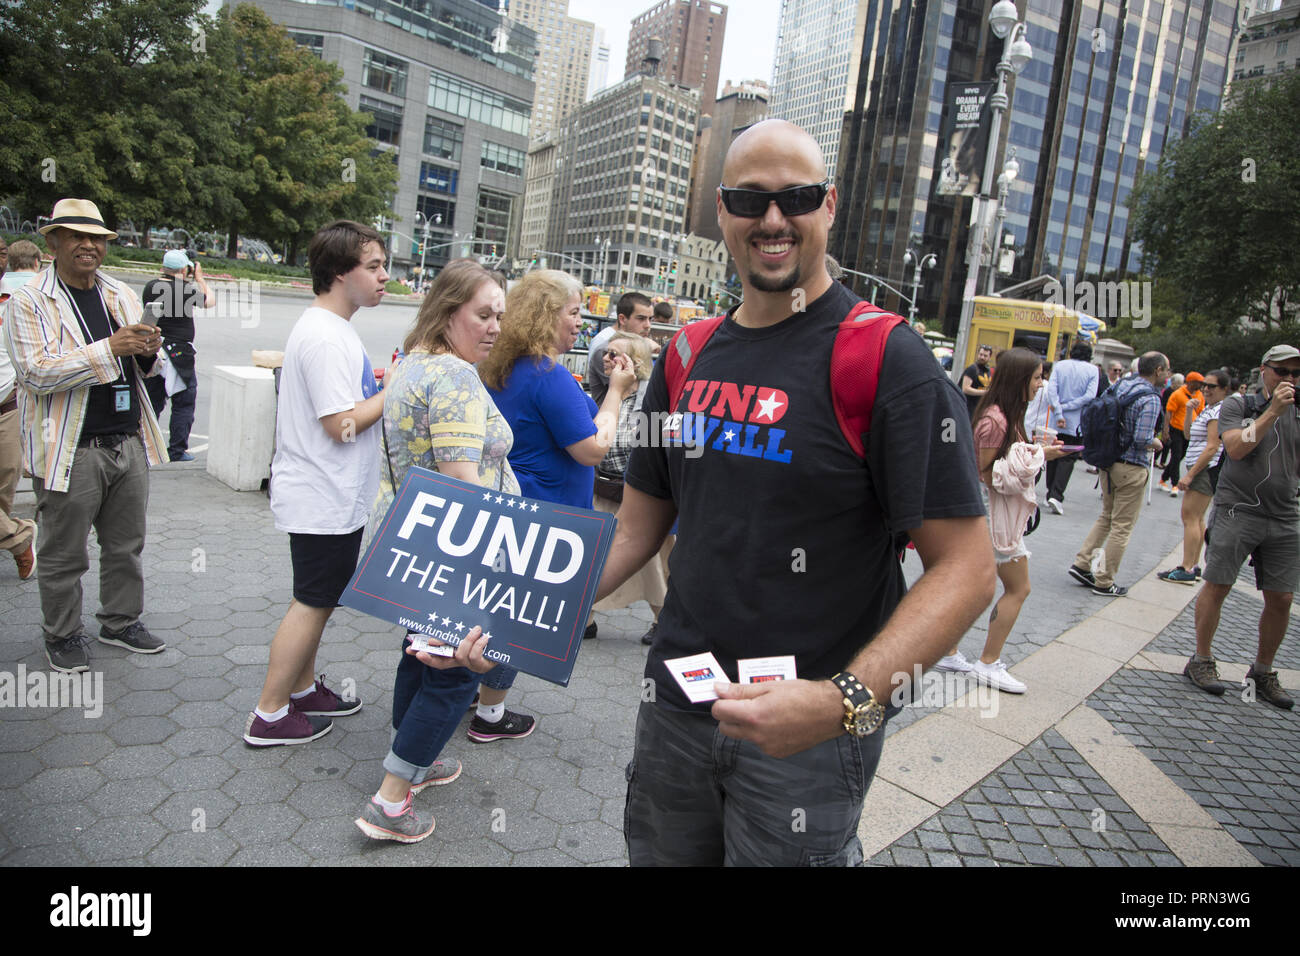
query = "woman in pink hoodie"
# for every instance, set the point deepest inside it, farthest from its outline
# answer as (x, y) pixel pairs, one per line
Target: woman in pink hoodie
(1008, 466)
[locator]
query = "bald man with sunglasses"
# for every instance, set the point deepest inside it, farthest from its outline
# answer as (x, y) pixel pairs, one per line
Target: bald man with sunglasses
(786, 546)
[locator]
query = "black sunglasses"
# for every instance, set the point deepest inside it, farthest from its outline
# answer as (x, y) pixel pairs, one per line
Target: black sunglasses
(1284, 372)
(794, 201)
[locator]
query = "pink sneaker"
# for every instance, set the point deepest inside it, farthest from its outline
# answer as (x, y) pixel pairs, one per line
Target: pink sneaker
(323, 702)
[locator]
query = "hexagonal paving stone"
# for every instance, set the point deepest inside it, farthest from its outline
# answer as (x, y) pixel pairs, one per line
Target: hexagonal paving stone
(20, 736)
(203, 688)
(160, 678)
(268, 785)
(606, 783)
(331, 837)
(126, 763)
(192, 715)
(308, 764)
(323, 798)
(49, 823)
(63, 784)
(262, 823)
(207, 667)
(201, 630)
(129, 797)
(568, 805)
(197, 773)
(198, 646)
(525, 831)
(592, 842)
(199, 742)
(146, 703)
(114, 837)
(78, 750)
(209, 848)
(591, 753)
(18, 769)
(270, 854)
(133, 731)
(181, 812)
(547, 773)
(546, 857)
(64, 854)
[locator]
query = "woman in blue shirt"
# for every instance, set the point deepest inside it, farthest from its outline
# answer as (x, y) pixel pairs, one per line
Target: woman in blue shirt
(560, 434)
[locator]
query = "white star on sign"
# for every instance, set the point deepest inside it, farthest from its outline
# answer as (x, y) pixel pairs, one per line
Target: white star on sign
(487, 496)
(488, 635)
(459, 627)
(534, 507)
(500, 499)
(768, 406)
(433, 618)
(446, 621)
(730, 435)
(510, 502)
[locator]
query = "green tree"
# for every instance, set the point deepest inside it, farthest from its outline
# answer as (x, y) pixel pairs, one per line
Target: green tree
(304, 157)
(1219, 219)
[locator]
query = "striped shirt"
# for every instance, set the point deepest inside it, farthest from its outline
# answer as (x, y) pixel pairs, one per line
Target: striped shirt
(55, 369)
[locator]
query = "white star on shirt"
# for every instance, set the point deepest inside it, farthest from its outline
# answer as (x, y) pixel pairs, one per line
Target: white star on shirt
(730, 435)
(768, 406)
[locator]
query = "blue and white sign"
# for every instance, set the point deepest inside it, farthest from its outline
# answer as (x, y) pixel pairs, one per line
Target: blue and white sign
(450, 556)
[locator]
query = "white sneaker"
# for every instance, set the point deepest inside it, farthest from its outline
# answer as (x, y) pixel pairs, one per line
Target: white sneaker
(956, 663)
(995, 675)
(1173, 491)
(1055, 506)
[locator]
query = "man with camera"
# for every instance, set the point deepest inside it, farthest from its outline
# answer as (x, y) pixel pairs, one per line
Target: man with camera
(172, 299)
(1255, 513)
(81, 354)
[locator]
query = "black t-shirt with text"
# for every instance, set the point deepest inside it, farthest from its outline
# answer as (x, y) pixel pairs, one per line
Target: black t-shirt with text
(178, 299)
(102, 414)
(785, 540)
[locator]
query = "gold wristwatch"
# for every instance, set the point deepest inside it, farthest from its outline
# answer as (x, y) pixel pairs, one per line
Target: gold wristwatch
(863, 714)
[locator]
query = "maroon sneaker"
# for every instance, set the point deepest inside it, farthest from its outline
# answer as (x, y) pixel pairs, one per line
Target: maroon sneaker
(294, 727)
(323, 702)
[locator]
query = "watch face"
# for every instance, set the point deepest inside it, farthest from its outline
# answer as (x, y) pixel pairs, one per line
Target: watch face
(867, 719)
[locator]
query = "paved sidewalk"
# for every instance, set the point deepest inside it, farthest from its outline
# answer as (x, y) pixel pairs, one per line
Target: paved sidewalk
(1112, 758)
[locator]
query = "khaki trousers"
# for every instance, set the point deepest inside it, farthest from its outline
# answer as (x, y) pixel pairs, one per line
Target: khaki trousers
(1121, 503)
(109, 491)
(15, 533)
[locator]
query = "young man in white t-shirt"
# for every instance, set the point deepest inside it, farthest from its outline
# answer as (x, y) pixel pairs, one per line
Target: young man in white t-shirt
(324, 477)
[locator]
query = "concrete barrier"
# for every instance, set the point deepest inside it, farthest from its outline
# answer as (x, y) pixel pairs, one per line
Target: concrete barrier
(242, 430)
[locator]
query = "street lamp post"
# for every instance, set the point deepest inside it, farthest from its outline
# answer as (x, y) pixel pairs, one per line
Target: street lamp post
(424, 245)
(1004, 21)
(1010, 170)
(921, 262)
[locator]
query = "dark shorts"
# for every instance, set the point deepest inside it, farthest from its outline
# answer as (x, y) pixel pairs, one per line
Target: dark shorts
(1203, 483)
(323, 566)
(1238, 534)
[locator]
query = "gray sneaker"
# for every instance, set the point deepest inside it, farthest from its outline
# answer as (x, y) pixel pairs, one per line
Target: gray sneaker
(1205, 675)
(442, 771)
(1269, 688)
(406, 827)
(68, 655)
(134, 637)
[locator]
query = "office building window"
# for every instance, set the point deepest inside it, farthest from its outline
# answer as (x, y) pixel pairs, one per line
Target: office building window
(493, 219)
(443, 139)
(439, 179)
(309, 41)
(453, 95)
(502, 158)
(384, 73)
(386, 125)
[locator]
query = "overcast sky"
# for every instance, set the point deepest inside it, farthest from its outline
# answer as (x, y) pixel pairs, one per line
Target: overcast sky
(747, 47)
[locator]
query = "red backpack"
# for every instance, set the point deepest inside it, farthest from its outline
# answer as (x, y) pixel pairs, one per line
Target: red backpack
(855, 365)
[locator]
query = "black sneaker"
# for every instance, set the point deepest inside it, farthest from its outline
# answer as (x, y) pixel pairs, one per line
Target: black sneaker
(1113, 591)
(68, 655)
(1084, 577)
(649, 636)
(1205, 675)
(510, 726)
(134, 637)
(1267, 687)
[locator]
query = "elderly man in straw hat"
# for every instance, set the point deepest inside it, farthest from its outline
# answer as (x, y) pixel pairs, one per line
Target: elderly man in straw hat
(81, 353)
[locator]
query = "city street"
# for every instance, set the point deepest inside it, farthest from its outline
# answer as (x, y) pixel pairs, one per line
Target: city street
(1111, 759)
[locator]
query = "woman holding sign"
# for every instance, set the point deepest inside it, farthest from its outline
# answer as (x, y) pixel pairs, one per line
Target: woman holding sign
(437, 415)
(560, 434)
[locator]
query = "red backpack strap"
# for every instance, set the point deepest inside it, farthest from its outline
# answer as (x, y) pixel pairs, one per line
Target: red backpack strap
(855, 369)
(680, 355)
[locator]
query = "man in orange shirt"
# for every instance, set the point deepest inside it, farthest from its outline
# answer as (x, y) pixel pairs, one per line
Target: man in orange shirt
(1184, 401)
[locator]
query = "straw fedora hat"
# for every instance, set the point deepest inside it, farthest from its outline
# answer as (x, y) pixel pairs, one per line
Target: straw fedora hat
(80, 215)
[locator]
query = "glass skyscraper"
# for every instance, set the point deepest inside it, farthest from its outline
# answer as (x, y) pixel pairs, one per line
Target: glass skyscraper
(1111, 83)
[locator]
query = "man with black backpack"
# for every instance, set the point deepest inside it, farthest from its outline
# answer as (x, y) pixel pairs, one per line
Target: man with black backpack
(1119, 434)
